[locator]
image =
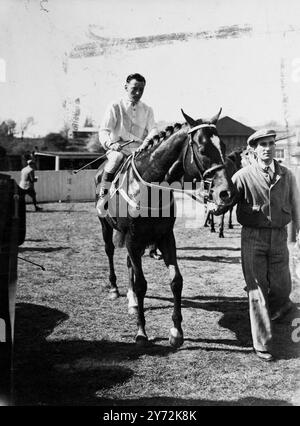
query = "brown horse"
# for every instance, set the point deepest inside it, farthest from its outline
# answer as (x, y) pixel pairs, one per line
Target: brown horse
(196, 154)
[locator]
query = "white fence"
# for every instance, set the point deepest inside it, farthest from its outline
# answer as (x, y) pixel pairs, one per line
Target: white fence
(62, 185)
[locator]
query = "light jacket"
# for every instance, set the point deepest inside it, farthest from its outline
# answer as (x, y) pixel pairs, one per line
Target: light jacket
(127, 121)
(261, 205)
(27, 178)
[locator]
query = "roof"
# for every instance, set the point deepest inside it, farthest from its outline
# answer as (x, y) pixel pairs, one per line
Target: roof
(227, 126)
(68, 154)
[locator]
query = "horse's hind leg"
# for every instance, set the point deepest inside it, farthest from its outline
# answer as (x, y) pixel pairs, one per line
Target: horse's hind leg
(107, 232)
(132, 300)
(168, 249)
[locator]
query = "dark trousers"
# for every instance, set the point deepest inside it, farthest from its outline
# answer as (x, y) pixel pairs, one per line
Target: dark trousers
(31, 192)
(265, 262)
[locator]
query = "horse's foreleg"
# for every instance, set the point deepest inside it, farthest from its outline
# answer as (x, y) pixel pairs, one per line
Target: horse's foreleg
(107, 233)
(212, 223)
(168, 249)
(207, 220)
(230, 225)
(221, 228)
(132, 300)
(139, 288)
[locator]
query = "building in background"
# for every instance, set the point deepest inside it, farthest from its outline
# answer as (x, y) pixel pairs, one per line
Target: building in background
(233, 133)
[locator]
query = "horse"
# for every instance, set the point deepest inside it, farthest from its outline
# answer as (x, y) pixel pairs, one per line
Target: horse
(236, 160)
(197, 153)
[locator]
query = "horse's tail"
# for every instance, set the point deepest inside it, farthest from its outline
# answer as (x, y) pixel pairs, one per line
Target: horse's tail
(119, 239)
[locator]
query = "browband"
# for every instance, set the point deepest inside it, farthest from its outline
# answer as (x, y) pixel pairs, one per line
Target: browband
(200, 126)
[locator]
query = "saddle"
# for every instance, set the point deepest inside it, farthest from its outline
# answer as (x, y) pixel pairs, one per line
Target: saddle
(123, 191)
(130, 196)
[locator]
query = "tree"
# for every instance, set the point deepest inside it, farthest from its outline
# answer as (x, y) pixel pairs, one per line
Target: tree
(55, 141)
(3, 129)
(25, 124)
(11, 127)
(2, 152)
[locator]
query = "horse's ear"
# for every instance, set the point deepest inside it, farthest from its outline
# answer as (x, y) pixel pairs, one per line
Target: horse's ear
(188, 119)
(216, 117)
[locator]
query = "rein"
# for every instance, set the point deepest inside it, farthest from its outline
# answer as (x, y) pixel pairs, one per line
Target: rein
(194, 157)
(207, 182)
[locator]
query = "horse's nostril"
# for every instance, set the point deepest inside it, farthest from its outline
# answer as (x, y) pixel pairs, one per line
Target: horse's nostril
(224, 195)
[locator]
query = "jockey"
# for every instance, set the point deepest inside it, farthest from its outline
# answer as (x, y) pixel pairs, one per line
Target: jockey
(124, 120)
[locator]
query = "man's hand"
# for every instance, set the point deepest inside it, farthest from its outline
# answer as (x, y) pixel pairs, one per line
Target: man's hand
(115, 146)
(143, 146)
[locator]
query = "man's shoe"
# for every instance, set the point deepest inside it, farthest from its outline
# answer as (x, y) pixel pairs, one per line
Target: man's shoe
(264, 356)
(283, 311)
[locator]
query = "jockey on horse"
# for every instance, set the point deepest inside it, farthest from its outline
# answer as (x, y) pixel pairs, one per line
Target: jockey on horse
(126, 119)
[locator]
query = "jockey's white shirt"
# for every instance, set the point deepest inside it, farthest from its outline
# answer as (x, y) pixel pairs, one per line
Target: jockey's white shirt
(128, 121)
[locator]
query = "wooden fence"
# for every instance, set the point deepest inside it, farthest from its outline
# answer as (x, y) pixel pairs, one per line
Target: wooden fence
(63, 185)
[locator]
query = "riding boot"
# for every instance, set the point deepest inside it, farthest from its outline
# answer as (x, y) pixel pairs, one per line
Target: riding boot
(102, 196)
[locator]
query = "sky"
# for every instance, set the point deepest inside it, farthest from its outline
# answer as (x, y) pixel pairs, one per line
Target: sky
(243, 56)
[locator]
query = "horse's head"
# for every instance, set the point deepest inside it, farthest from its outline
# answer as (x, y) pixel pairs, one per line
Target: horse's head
(205, 159)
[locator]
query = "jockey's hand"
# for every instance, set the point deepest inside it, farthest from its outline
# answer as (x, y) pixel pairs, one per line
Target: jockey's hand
(115, 146)
(142, 147)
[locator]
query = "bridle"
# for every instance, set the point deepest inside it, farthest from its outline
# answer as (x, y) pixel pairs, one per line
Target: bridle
(203, 174)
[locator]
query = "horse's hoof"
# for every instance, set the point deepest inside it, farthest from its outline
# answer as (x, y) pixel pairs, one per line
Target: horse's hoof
(156, 256)
(132, 310)
(175, 338)
(141, 340)
(113, 294)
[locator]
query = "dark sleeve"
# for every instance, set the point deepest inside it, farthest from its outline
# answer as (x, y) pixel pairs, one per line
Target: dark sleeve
(295, 202)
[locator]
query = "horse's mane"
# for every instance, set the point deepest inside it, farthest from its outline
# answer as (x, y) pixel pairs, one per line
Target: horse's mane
(157, 147)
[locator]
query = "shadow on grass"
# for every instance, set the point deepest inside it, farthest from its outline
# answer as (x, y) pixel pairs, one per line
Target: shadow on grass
(43, 249)
(180, 402)
(236, 319)
(209, 248)
(218, 259)
(66, 372)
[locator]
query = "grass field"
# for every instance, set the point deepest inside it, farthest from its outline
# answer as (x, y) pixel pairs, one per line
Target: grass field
(76, 347)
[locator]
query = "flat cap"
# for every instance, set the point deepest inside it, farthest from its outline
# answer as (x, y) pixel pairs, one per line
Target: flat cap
(262, 133)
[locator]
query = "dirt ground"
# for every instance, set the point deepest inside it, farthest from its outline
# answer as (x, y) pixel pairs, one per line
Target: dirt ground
(76, 347)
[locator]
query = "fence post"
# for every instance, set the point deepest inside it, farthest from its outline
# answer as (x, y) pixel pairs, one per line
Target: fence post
(12, 234)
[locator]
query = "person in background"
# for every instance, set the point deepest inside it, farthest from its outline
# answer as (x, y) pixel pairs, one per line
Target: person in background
(268, 199)
(124, 120)
(27, 182)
